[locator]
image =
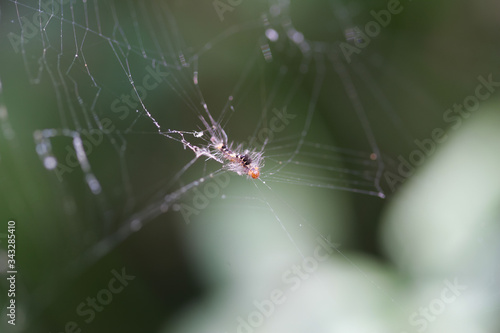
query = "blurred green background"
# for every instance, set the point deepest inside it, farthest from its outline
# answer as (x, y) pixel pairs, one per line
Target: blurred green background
(393, 257)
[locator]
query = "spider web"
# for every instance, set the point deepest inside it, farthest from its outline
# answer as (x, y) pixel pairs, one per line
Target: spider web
(120, 90)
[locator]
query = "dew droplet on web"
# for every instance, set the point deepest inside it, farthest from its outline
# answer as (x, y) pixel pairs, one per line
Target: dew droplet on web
(272, 35)
(49, 162)
(195, 78)
(93, 183)
(135, 225)
(298, 37)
